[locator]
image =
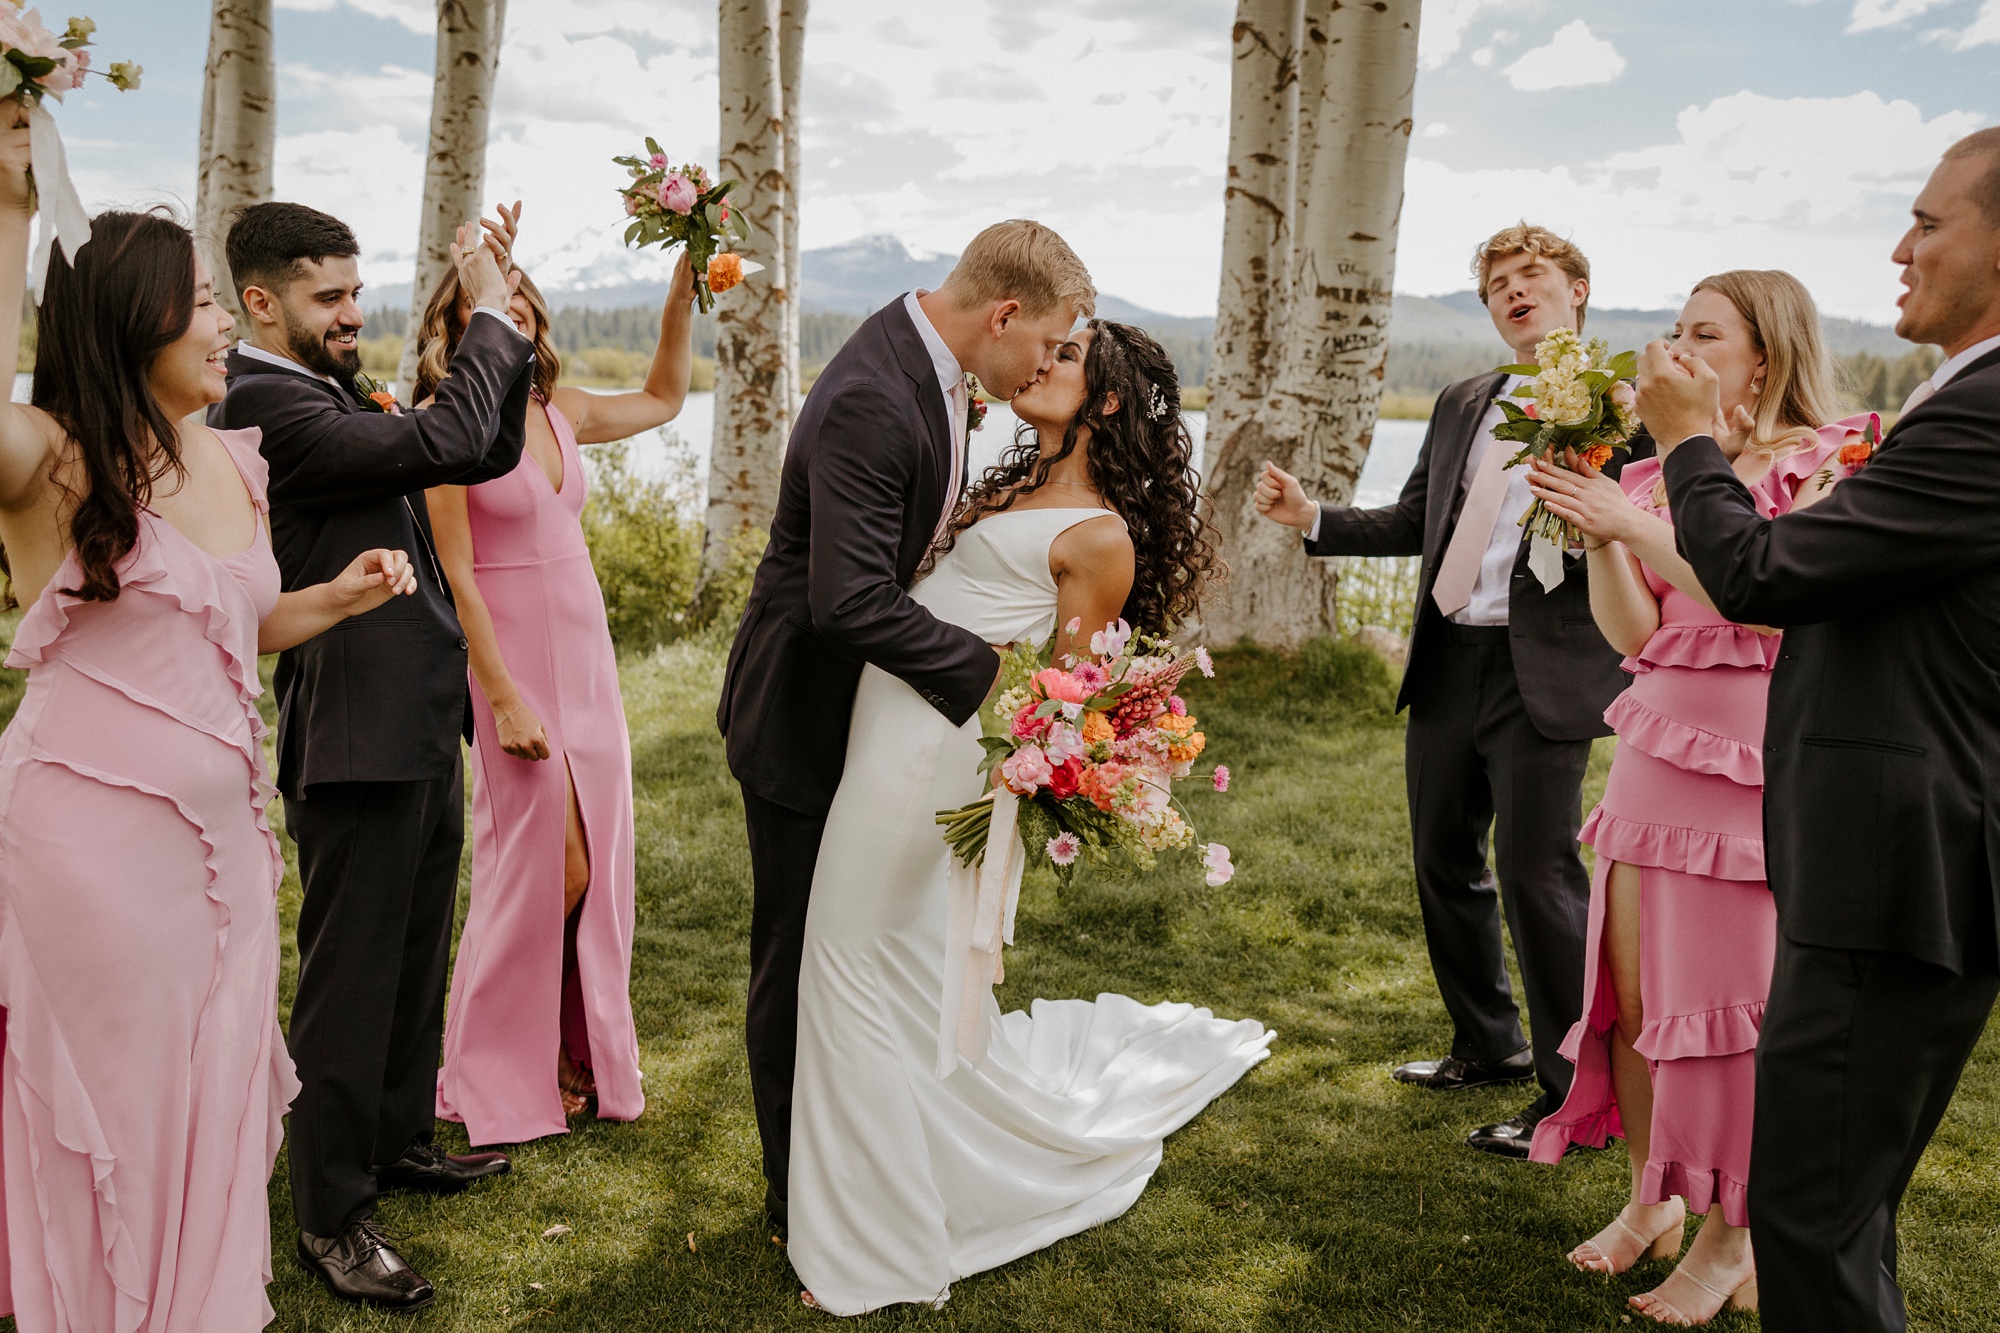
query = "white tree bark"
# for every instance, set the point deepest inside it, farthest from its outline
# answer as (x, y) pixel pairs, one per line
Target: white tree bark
(1357, 71)
(754, 361)
(791, 75)
(239, 118)
(468, 53)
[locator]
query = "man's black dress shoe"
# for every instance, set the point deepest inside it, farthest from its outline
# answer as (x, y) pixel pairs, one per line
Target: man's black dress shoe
(1510, 1138)
(775, 1212)
(1452, 1074)
(360, 1265)
(427, 1167)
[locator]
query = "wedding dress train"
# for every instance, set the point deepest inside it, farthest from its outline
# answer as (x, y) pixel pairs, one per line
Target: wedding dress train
(902, 1181)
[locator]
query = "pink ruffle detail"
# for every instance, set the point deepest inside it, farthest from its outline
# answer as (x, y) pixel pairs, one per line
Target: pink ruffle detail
(1682, 744)
(1730, 1031)
(1780, 486)
(1702, 646)
(1691, 851)
(1702, 1187)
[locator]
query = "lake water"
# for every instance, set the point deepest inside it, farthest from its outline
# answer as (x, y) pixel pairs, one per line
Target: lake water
(666, 451)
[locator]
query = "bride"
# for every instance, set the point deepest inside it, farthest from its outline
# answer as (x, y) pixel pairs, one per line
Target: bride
(902, 1181)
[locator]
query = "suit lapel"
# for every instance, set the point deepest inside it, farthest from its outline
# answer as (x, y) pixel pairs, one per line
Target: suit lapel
(915, 359)
(239, 365)
(1987, 362)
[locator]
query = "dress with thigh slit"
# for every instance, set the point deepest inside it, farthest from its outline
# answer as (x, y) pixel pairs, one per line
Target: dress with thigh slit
(524, 985)
(1684, 804)
(144, 1079)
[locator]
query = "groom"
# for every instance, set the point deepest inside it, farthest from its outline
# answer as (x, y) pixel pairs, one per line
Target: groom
(1507, 685)
(1881, 814)
(872, 473)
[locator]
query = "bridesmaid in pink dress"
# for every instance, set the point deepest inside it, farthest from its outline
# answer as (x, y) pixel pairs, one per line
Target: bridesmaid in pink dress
(144, 1078)
(1682, 926)
(540, 1019)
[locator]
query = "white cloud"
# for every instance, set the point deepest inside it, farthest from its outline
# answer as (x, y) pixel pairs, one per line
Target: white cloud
(1442, 29)
(1574, 58)
(1733, 191)
(416, 15)
(1872, 14)
(1984, 29)
(1437, 129)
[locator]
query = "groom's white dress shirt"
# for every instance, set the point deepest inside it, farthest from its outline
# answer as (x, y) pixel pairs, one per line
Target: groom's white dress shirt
(1944, 374)
(256, 353)
(951, 383)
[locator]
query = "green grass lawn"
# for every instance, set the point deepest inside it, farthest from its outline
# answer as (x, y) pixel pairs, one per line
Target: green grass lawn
(1315, 1195)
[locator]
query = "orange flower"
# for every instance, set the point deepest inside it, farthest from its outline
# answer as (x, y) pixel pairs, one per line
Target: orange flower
(1855, 452)
(383, 399)
(1597, 455)
(724, 271)
(1097, 727)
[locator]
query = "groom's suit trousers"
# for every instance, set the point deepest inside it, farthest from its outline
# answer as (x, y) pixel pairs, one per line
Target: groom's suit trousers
(1858, 1058)
(784, 847)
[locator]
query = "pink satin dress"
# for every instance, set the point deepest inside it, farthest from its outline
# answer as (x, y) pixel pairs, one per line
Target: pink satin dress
(521, 987)
(145, 1080)
(1684, 802)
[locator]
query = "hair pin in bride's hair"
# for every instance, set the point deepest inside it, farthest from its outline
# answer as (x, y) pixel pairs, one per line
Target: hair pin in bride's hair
(1158, 407)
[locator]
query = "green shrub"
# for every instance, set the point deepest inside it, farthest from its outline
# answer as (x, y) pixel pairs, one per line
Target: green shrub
(1377, 591)
(645, 544)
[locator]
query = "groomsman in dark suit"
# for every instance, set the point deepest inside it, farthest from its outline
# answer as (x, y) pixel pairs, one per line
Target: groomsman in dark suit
(1507, 684)
(1881, 809)
(369, 719)
(872, 474)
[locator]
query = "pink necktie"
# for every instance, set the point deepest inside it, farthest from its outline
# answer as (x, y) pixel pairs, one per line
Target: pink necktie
(959, 401)
(1459, 570)
(1917, 397)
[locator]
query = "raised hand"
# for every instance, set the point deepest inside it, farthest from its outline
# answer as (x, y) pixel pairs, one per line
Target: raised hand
(1678, 397)
(501, 235)
(680, 289)
(1282, 499)
(17, 191)
(521, 732)
(369, 580)
(472, 254)
(1596, 504)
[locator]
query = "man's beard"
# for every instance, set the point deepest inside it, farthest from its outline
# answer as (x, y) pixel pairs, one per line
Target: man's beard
(314, 353)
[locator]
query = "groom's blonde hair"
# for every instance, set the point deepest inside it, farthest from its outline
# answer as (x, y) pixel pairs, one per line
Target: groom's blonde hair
(1021, 261)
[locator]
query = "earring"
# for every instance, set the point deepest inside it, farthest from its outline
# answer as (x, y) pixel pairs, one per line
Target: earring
(1756, 387)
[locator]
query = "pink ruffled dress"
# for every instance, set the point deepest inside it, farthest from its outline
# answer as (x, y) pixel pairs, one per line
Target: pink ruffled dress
(1684, 803)
(144, 1081)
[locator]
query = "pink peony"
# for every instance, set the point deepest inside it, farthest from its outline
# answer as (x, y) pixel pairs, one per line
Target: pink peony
(1063, 848)
(1111, 640)
(657, 161)
(1222, 777)
(677, 194)
(1061, 686)
(1216, 857)
(1025, 770)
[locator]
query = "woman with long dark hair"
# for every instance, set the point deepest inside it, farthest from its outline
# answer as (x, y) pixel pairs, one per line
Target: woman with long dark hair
(903, 1180)
(540, 1021)
(146, 1079)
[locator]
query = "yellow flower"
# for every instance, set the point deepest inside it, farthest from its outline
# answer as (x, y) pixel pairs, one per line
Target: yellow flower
(1188, 750)
(1096, 728)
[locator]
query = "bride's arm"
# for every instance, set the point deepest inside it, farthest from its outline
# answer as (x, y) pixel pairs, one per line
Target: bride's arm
(1093, 568)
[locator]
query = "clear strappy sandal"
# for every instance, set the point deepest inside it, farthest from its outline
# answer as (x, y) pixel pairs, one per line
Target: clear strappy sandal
(1593, 1257)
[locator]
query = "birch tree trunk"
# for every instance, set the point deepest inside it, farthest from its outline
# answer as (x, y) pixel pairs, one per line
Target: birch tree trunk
(791, 75)
(754, 361)
(468, 53)
(239, 120)
(1357, 71)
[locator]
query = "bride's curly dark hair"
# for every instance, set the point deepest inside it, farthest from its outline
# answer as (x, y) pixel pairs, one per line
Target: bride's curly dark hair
(1141, 460)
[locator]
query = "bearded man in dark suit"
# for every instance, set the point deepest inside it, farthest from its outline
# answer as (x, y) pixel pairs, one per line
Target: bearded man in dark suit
(1507, 684)
(1881, 814)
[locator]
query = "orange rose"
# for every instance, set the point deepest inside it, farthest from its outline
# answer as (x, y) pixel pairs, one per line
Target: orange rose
(1855, 452)
(724, 272)
(385, 400)
(1597, 455)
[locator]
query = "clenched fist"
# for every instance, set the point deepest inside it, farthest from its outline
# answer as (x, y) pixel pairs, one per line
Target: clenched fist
(1281, 499)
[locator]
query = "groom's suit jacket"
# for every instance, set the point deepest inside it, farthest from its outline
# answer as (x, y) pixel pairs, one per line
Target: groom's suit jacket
(1882, 745)
(867, 474)
(380, 697)
(1568, 674)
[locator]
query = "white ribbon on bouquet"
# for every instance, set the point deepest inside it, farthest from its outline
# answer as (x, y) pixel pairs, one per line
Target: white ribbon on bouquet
(64, 219)
(978, 923)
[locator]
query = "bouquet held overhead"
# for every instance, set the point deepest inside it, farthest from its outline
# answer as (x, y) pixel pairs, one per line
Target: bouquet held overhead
(672, 205)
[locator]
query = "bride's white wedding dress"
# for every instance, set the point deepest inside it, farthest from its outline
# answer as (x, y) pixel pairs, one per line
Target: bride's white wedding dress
(902, 1181)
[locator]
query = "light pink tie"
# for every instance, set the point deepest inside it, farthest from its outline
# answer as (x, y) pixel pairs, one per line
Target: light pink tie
(959, 409)
(1459, 570)
(1917, 397)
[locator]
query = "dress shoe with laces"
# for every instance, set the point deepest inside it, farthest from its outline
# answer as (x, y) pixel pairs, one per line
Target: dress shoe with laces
(429, 1169)
(361, 1266)
(1452, 1074)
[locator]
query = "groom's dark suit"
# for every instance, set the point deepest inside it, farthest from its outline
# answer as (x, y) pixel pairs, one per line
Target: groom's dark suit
(867, 474)
(1501, 720)
(1881, 828)
(369, 719)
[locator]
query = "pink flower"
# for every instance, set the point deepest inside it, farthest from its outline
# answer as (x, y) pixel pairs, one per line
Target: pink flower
(1075, 624)
(1216, 857)
(1177, 705)
(1530, 413)
(657, 161)
(1222, 777)
(677, 194)
(81, 63)
(1061, 685)
(1091, 676)
(1111, 640)
(1623, 395)
(631, 205)
(1064, 743)
(1063, 848)
(1025, 770)
(1065, 778)
(1204, 663)
(1026, 724)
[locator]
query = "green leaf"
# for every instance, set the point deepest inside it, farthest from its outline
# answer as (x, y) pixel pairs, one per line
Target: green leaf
(1518, 370)
(10, 77)
(654, 148)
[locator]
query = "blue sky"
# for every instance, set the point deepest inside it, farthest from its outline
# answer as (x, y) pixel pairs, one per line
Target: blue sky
(1671, 139)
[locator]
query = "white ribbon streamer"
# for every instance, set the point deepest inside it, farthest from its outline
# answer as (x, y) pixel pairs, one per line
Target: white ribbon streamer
(1545, 558)
(63, 215)
(978, 924)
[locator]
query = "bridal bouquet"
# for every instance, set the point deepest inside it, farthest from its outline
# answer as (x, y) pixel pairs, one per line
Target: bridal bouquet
(672, 205)
(1090, 751)
(34, 62)
(1579, 397)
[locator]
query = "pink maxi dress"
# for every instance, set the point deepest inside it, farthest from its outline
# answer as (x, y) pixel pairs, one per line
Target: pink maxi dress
(1684, 802)
(519, 990)
(145, 1080)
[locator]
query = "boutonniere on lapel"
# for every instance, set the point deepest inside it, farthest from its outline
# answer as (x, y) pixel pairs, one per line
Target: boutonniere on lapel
(1855, 453)
(975, 411)
(375, 394)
